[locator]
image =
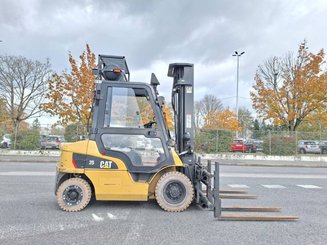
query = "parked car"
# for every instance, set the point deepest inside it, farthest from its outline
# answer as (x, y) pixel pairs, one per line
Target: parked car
(6, 141)
(256, 144)
(259, 144)
(241, 145)
(308, 146)
(323, 147)
(51, 141)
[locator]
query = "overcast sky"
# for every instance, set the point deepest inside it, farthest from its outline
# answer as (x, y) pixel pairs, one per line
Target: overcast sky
(152, 34)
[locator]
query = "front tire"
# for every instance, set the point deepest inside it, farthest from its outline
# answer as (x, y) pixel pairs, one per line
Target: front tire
(74, 194)
(302, 151)
(174, 192)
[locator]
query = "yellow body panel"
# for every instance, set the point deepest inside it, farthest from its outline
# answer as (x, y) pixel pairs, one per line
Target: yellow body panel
(178, 162)
(111, 184)
(65, 164)
(117, 185)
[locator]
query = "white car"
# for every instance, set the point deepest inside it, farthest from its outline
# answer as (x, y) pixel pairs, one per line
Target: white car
(308, 146)
(6, 141)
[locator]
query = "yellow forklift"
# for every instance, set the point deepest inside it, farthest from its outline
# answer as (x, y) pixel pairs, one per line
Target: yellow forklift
(130, 154)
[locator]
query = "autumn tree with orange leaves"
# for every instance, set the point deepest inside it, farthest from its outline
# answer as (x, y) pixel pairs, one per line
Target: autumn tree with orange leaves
(316, 121)
(224, 119)
(147, 113)
(70, 95)
(291, 89)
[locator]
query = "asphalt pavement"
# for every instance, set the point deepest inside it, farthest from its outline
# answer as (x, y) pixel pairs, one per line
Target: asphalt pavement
(29, 213)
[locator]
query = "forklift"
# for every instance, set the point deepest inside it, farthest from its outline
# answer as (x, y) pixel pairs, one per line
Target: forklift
(131, 155)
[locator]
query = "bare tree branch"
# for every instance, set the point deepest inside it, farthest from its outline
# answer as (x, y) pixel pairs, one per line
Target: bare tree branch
(23, 86)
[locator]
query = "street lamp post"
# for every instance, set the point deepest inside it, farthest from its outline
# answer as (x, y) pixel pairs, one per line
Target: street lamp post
(237, 79)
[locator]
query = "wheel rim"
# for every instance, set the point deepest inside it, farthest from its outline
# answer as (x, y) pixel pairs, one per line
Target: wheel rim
(174, 192)
(72, 195)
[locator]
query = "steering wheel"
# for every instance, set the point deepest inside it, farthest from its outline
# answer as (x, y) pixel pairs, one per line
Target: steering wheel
(149, 124)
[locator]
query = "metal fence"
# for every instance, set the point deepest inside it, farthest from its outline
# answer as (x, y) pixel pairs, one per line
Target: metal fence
(39, 137)
(266, 142)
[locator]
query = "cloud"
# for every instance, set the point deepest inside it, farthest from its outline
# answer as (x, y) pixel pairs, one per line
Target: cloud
(152, 34)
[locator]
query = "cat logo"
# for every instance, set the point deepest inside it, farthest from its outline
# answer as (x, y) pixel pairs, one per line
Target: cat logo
(105, 164)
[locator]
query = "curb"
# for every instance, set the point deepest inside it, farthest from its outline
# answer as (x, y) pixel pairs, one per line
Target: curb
(27, 161)
(224, 159)
(263, 164)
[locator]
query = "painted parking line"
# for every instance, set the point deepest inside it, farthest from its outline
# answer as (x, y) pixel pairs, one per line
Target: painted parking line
(97, 218)
(309, 186)
(274, 186)
(238, 186)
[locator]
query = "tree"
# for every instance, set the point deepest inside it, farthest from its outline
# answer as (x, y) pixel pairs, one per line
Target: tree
(4, 117)
(290, 89)
(23, 87)
(57, 130)
(316, 121)
(3, 111)
(245, 120)
(197, 114)
(74, 132)
(36, 124)
(70, 95)
(208, 104)
(225, 119)
(147, 113)
(167, 113)
(28, 139)
(261, 129)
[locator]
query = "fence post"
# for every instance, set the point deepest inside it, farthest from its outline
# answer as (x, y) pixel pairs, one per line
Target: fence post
(295, 142)
(77, 130)
(217, 140)
(269, 142)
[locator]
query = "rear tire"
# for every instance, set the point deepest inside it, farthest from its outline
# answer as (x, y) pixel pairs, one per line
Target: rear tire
(302, 151)
(74, 194)
(174, 192)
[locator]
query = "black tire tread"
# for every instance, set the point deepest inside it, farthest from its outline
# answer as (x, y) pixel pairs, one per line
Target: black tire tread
(87, 194)
(188, 186)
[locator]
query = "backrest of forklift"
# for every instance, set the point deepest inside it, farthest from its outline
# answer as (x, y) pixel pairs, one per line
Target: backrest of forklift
(127, 120)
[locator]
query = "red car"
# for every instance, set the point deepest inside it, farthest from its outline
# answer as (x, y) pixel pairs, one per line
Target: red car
(243, 146)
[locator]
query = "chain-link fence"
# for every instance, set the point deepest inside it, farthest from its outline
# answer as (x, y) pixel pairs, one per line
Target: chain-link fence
(43, 136)
(39, 136)
(268, 142)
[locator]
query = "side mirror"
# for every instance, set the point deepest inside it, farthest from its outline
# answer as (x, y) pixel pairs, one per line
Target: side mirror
(161, 100)
(95, 71)
(187, 137)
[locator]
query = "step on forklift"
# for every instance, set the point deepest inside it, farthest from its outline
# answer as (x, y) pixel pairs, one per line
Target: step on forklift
(131, 155)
